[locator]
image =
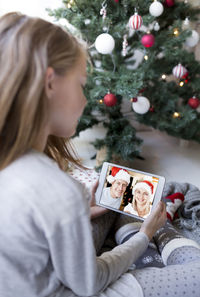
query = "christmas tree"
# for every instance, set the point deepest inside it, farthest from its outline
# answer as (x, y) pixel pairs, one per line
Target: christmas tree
(162, 89)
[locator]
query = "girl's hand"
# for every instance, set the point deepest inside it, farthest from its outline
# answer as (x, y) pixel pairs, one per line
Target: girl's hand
(155, 220)
(95, 210)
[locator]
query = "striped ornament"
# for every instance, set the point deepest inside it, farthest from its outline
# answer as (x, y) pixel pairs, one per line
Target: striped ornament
(135, 21)
(179, 70)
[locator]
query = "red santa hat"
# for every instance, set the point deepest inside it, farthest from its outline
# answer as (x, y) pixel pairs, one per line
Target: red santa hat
(145, 184)
(118, 173)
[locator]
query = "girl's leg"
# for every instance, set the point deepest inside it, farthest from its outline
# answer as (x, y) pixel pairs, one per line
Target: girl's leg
(151, 256)
(170, 281)
(101, 226)
(173, 247)
(181, 276)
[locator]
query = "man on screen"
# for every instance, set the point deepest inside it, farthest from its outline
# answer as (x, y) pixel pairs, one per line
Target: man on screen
(119, 180)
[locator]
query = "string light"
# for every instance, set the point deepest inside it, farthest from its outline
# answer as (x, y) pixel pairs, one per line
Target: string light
(181, 84)
(176, 115)
(70, 4)
(146, 57)
(101, 101)
(163, 76)
(134, 99)
(176, 32)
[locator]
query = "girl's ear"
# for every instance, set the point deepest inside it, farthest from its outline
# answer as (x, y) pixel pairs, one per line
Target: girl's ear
(49, 82)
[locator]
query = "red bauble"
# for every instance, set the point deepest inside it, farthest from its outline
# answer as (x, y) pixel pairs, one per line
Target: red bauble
(194, 102)
(148, 40)
(169, 3)
(186, 77)
(110, 99)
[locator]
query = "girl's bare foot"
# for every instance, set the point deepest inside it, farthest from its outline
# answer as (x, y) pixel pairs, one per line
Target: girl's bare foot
(155, 220)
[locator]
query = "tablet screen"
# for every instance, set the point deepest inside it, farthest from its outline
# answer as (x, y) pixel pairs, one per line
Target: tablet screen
(129, 191)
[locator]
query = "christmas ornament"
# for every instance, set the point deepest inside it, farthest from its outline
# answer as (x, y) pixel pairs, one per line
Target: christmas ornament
(179, 70)
(169, 3)
(103, 10)
(193, 39)
(186, 77)
(148, 40)
(105, 28)
(104, 43)
(156, 27)
(152, 109)
(124, 46)
(141, 105)
(110, 99)
(87, 22)
(135, 21)
(156, 8)
(194, 102)
(186, 24)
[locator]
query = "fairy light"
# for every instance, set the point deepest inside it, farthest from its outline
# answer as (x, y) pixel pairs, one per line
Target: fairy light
(101, 101)
(134, 99)
(70, 4)
(163, 76)
(146, 57)
(176, 32)
(181, 84)
(176, 115)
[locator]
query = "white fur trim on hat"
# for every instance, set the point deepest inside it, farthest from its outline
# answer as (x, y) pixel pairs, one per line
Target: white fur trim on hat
(142, 185)
(121, 174)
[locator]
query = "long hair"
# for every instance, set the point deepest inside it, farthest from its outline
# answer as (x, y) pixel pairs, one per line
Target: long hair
(28, 46)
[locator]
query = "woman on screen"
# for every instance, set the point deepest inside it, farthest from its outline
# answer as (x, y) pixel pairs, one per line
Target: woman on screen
(142, 198)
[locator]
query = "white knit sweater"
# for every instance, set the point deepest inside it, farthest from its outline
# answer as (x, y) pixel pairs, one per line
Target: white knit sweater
(46, 245)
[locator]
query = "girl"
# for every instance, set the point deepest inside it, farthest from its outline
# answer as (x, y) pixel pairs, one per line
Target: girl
(46, 246)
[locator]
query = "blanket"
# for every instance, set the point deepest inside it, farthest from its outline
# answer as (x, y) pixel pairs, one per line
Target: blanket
(188, 221)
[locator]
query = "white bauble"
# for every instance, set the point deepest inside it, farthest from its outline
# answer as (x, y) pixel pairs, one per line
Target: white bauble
(193, 39)
(156, 9)
(87, 22)
(97, 63)
(104, 43)
(156, 27)
(142, 105)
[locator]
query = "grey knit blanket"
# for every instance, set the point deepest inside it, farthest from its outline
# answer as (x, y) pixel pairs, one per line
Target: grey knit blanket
(189, 212)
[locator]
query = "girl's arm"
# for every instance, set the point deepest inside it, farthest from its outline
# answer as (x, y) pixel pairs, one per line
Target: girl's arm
(74, 257)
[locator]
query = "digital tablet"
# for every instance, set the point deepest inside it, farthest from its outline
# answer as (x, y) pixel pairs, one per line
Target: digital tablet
(128, 191)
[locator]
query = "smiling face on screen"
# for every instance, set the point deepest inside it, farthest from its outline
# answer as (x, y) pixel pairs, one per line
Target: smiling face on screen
(118, 188)
(141, 197)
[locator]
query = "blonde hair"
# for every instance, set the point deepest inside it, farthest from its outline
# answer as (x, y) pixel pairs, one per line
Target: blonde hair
(28, 46)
